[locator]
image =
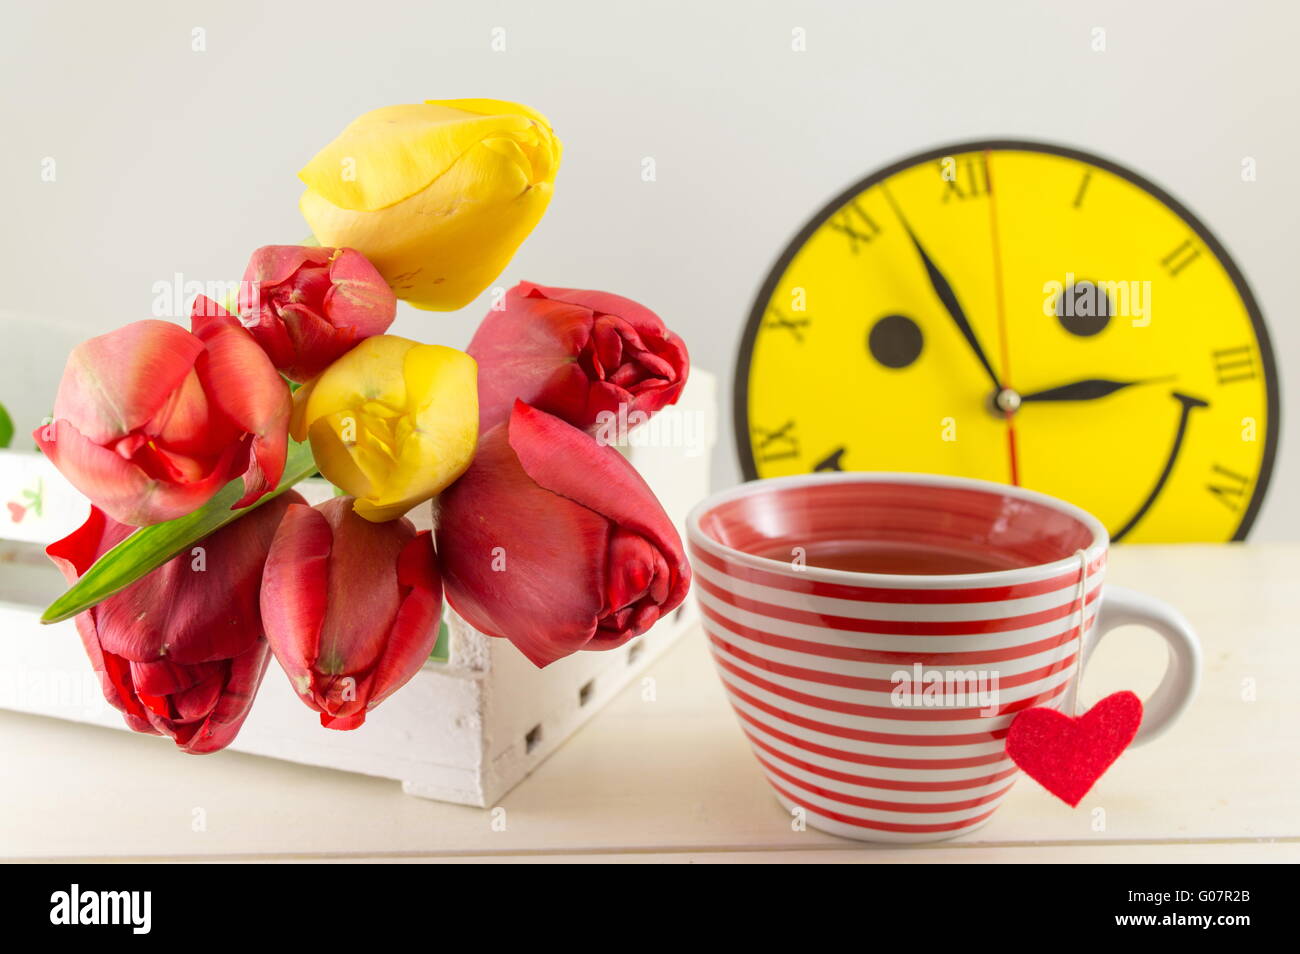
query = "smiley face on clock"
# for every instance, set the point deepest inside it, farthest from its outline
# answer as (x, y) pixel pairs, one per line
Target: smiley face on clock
(1021, 313)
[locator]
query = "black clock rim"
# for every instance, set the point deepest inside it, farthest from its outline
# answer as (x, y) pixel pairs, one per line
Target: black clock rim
(740, 392)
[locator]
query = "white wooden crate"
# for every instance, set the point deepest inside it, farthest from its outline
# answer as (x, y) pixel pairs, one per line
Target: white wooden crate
(465, 730)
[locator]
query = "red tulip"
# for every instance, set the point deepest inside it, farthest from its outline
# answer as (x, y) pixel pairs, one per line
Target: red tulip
(553, 541)
(307, 306)
(151, 420)
(180, 652)
(575, 354)
(351, 607)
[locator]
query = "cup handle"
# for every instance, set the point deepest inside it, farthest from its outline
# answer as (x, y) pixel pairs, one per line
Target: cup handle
(1123, 607)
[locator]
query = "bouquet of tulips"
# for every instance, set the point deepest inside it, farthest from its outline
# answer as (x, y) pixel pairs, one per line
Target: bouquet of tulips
(198, 561)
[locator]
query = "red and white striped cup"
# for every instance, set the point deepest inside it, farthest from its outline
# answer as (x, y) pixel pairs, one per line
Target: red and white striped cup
(827, 669)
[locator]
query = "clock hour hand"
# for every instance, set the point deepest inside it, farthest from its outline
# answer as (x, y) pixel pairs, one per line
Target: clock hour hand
(1089, 389)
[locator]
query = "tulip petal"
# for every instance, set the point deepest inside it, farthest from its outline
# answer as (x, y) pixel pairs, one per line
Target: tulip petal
(308, 337)
(118, 690)
(435, 437)
(417, 564)
(181, 653)
(548, 450)
(638, 590)
(392, 422)
(631, 568)
(447, 239)
(643, 327)
(77, 552)
(389, 154)
(114, 677)
(415, 630)
(491, 107)
(598, 302)
(369, 370)
(119, 487)
(625, 565)
(275, 264)
(343, 462)
(73, 555)
(272, 336)
(535, 571)
(363, 584)
(190, 706)
(345, 723)
(199, 607)
(295, 585)
(243, 384)
(164, 677)
(268, 267)
(227, 716)
(185, 426)
(351, 608)
(116, 382)
(578, 355)
(306, 306)
(530, 353)
(359, 299)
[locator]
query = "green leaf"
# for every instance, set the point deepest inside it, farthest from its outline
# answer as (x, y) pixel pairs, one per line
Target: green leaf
(150, 547)
(6, 427)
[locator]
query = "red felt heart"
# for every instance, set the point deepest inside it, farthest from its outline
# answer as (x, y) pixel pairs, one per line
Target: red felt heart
(16, 511)
(1067, 755)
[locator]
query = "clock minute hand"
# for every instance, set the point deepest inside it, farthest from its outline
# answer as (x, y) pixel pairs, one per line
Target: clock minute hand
(949, 298)
(1089, 389)
(943, 289)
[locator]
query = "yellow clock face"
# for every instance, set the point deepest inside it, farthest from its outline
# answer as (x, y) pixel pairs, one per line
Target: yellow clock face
(1020, 313)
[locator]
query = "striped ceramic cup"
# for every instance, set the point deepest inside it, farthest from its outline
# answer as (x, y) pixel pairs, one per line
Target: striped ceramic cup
(878, 702)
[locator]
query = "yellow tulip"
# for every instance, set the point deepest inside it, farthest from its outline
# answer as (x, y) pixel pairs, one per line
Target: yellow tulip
(392, 422)
(437, 195)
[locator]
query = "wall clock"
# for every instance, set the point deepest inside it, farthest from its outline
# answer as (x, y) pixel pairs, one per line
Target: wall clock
(1023, 313)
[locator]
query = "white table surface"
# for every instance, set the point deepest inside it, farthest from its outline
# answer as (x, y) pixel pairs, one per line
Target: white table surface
(664, 774)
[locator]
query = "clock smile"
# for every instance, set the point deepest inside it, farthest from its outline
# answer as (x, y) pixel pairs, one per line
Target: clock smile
(1186, 404)
(1006, 402)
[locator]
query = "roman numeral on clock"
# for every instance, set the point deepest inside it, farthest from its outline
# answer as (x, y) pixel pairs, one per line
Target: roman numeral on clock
(1180, 258)
(1228, 486)
(780, 444)
(1083, 188)
(795, 326)
(853, 221)
(1233, 364)
(964, 177)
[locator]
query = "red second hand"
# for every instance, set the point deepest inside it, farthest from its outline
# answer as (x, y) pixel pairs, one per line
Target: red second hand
(1011, 450)
(1007, 413)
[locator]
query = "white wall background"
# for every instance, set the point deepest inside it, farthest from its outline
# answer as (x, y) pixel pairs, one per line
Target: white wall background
(170, 160)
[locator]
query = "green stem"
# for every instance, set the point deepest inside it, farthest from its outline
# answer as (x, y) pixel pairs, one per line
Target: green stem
(150, 547)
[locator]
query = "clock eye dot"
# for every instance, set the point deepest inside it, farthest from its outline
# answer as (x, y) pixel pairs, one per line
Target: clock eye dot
(1084, 309)
(895, 341)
